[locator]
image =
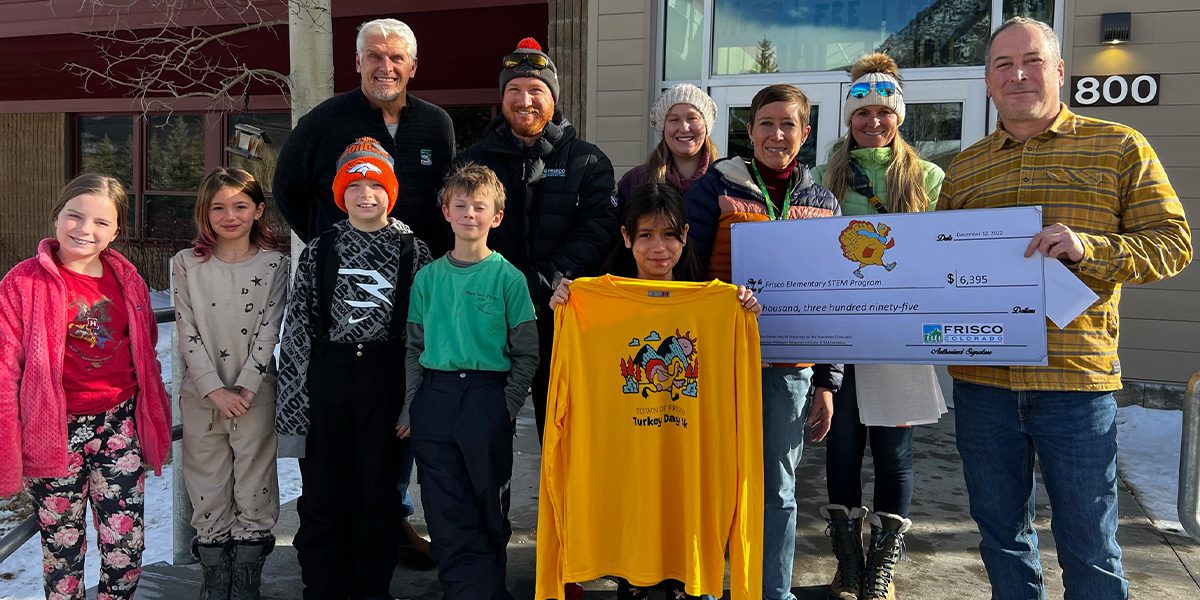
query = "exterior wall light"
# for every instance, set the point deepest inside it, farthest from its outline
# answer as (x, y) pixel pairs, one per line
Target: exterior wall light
(1114, 27)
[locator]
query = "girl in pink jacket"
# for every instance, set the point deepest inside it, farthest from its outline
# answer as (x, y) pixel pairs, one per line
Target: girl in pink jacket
(82, 402)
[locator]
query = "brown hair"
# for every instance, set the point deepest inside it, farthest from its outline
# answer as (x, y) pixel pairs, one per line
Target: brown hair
(100, 185)
(660, 157)
(781, 92)
(473, 179)
(242, 182)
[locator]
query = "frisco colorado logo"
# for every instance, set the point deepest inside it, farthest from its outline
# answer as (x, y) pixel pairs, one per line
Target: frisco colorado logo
(962, 333)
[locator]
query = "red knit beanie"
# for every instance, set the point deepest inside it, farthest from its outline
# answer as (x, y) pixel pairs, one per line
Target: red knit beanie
(365, 159)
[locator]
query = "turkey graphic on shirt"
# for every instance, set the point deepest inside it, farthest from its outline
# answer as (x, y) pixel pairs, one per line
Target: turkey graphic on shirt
(669, 368)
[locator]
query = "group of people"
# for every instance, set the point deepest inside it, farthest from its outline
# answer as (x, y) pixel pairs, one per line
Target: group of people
(453, 267)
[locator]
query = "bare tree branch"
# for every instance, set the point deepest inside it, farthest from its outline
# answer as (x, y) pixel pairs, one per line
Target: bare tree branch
(171, 60)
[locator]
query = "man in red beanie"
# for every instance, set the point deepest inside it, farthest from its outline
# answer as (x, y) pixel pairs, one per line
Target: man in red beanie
(561, 193)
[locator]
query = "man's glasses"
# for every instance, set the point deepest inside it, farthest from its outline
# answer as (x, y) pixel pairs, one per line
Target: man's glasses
(885, 89)
(537, 61)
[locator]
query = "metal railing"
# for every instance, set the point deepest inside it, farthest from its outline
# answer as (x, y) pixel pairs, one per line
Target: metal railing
(28, 528)
(1188, 501)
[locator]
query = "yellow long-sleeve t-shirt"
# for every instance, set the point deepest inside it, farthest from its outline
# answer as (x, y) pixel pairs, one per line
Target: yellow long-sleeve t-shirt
(652, 456)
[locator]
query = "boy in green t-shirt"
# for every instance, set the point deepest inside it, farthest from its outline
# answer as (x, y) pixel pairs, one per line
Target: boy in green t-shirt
(472, 351)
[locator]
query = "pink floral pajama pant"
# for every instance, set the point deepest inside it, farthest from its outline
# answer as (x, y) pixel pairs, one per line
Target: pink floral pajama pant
(104, 466)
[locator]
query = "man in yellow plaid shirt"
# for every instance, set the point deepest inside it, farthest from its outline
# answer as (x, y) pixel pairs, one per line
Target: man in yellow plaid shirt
(1113, 218)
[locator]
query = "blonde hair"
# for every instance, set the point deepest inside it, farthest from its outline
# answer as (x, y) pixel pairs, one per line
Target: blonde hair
(905, 175)
(473, 179)
(100, 185)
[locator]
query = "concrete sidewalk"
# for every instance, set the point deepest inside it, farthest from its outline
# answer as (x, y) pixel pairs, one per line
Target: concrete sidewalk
(943, 562)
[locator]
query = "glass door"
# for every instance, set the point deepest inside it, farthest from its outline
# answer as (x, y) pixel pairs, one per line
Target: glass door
(733, 113)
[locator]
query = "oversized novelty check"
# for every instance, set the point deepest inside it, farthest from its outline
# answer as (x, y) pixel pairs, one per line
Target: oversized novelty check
(946, 287)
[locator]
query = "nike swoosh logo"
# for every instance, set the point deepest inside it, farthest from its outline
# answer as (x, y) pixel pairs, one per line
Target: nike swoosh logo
(352, 320)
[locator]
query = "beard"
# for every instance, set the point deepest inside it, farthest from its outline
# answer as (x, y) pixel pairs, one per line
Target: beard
(387, 95)
(522, 126)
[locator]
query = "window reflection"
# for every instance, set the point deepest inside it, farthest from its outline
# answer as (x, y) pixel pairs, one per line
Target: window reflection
(934, 129)
(684, 38)
(176, 154)
(106, 147)
(1042, 10)
(829, 34)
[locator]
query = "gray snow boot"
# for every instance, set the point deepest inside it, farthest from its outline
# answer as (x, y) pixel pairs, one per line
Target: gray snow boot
(845, 533)
(217, 562)
(249, 556)
(884, 551)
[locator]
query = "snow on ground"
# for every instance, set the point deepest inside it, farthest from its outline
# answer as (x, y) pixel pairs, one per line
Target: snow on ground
(25, 566)
(26, 563)
(1148, 460)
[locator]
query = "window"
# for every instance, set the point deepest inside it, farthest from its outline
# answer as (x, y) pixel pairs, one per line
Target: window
(162, 158)
(174, 168)
(934, 129)
(276, 128)
(739, 139)
(105, 146)
(768, 36)
(1042, 10)
(684, 38)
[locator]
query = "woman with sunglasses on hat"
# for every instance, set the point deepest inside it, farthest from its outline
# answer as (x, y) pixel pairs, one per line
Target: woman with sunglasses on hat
(871, 171)
(683, 118)
(771, 185)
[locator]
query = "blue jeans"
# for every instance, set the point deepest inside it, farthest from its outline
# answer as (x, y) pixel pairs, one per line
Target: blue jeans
(785, 394)
(407, 508)
(891, 455)
(1073, 435)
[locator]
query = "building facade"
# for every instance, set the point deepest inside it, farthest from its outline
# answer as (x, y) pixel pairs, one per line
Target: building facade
(70, 104)
(732, 48)
(614, 56)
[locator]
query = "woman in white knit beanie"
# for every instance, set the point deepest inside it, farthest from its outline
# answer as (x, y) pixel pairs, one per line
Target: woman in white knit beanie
(683, 118)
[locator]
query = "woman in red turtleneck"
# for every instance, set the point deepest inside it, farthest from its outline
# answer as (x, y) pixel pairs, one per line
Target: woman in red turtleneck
(771, 186)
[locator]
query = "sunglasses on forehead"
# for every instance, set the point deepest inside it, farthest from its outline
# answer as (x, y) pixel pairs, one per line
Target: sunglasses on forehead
(885, 89)
(537, 61)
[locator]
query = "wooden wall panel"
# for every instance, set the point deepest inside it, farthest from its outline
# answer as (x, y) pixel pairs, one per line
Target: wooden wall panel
(33, 166)
(567, 35)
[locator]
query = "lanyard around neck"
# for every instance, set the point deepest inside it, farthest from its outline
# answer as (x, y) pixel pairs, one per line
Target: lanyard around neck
(787, 198)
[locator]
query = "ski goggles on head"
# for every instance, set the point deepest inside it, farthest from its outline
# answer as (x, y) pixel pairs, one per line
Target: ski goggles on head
(537, 61)
(885, 89)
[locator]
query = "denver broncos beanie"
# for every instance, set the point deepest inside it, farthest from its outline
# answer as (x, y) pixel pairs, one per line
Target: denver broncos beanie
(365, 159)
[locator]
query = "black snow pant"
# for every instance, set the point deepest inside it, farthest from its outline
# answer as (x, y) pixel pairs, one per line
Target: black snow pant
(462, 438)
(349, 525)
(540, 387)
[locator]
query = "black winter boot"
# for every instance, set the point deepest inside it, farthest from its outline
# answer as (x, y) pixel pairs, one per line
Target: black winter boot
(845, 533)
(216, 560)
(885, 550)
(249, 556)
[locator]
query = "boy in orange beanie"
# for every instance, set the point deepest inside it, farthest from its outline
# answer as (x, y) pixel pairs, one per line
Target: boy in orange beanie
(340, 392)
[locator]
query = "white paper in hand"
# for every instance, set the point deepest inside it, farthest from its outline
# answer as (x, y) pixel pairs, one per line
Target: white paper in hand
(1066, 296)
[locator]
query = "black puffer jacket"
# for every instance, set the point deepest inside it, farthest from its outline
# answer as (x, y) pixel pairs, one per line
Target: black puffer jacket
(560, 208)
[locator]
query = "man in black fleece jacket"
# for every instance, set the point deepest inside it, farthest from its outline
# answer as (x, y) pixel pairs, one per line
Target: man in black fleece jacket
(418, 135)
(420, 138)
